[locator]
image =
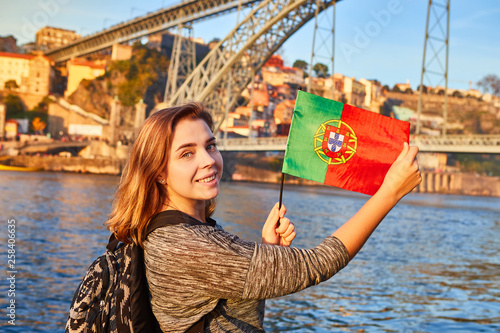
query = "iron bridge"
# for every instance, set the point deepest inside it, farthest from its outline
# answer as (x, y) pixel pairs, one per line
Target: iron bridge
(479, 144)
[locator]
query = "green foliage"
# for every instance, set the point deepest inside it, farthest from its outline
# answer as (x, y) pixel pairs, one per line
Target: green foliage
(43, 106)
(479, 164)
(300, 64)
(121, 65)
(276, 165)
(320, 69)
(13, 105)
(11, 85)
(143, 70)
(396, 88)
(490, 84)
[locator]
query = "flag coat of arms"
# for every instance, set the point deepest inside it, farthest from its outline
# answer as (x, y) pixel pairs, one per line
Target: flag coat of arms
(342, 145)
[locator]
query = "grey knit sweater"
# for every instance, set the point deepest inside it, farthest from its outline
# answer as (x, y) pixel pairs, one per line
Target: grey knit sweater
(193, 268)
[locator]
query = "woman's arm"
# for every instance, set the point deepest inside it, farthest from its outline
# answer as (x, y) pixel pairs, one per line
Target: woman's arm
(402, 177)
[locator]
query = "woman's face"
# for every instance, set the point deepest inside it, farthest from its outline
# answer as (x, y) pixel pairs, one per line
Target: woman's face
(194, 168)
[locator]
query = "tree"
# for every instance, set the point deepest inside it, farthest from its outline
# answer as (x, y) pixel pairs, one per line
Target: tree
(490, 84)
(38, 125)
(396, 88)
(321, 70)
(142, 71)
(424, 89)
(301, 64)
(13, 105)
(11, 85)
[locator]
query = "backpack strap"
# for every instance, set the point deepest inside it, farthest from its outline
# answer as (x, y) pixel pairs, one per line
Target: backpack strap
(146, 322)
(112, 243)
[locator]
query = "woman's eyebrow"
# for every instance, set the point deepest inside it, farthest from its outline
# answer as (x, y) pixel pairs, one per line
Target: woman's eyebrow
(192, 144)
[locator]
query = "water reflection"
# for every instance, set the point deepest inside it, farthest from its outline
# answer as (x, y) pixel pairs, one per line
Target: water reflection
(432, 266)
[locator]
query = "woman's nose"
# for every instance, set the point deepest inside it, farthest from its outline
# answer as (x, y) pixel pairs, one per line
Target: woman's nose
(206, 160)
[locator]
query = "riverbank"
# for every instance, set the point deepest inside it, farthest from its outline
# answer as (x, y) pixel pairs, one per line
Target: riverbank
(77, 164)
(251, 167)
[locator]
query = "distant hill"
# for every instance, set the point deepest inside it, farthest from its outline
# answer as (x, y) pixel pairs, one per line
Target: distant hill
(141, 77)
(476, 116)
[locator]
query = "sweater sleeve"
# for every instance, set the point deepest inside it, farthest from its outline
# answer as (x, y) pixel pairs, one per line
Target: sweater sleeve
(217, 264)
(276, 271)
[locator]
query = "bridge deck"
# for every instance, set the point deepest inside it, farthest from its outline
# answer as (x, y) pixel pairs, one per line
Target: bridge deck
(482, 144)
(161, 20)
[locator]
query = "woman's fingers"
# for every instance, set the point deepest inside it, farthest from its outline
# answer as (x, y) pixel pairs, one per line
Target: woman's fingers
(412, 154)
(283, 226)
(403, 152)
(288, 231)
(287, 241)
(275, 214)
(278, 230)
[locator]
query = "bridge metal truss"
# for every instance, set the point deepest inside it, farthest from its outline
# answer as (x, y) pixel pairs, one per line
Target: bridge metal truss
(182, 61)
(185, 12)
(480, 144)
(243, 52)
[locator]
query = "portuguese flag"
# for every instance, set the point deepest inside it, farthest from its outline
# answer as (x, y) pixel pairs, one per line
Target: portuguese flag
(341, 145)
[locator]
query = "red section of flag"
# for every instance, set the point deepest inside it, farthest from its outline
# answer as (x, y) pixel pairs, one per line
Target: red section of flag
(379, 142)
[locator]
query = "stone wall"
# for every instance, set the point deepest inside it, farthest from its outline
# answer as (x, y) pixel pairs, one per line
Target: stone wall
(60, 118)
(458, 183)
(110, 166)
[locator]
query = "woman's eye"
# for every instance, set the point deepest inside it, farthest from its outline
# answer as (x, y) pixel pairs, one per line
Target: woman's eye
(212, 146)
(187, 154)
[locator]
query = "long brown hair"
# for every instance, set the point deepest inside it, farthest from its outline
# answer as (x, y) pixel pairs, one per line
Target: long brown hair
(139, 195)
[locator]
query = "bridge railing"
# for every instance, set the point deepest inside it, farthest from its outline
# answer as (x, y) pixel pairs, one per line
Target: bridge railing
(463, 143)
(487, 144)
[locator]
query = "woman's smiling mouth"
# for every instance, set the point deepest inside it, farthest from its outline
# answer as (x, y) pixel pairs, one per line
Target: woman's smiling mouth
(208, 179)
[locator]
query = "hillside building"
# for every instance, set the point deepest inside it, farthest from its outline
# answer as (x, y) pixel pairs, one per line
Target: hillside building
(8, 44)
(79, 70)
(50, 38)
(33, 74)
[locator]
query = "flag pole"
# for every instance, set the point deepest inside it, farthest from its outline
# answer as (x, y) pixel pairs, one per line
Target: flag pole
(281, 189)
(283, 176)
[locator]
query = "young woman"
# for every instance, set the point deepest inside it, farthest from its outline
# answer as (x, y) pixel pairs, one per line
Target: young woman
(198, 272)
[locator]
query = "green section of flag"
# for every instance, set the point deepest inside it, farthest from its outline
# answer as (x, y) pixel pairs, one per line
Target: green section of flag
(310, 112)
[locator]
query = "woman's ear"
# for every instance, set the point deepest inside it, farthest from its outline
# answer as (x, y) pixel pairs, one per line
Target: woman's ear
(162, 178)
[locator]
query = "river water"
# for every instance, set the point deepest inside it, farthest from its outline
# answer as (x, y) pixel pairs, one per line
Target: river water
(433, 265)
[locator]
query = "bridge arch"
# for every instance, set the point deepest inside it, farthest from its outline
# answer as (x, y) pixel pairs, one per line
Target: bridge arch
(224, 73)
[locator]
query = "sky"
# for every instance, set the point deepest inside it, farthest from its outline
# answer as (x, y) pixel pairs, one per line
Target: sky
(381, 40)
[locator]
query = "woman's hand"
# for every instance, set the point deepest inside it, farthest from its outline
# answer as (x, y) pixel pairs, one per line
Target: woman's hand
(278, 230)
(403, 175)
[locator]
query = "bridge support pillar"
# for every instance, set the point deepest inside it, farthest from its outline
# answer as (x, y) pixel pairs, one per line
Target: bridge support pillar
(445, 183)
(421, 186)
(114, 121)
(2, 120)
(455, 183)
(437, 182)
(430, 182)
(140, 116)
